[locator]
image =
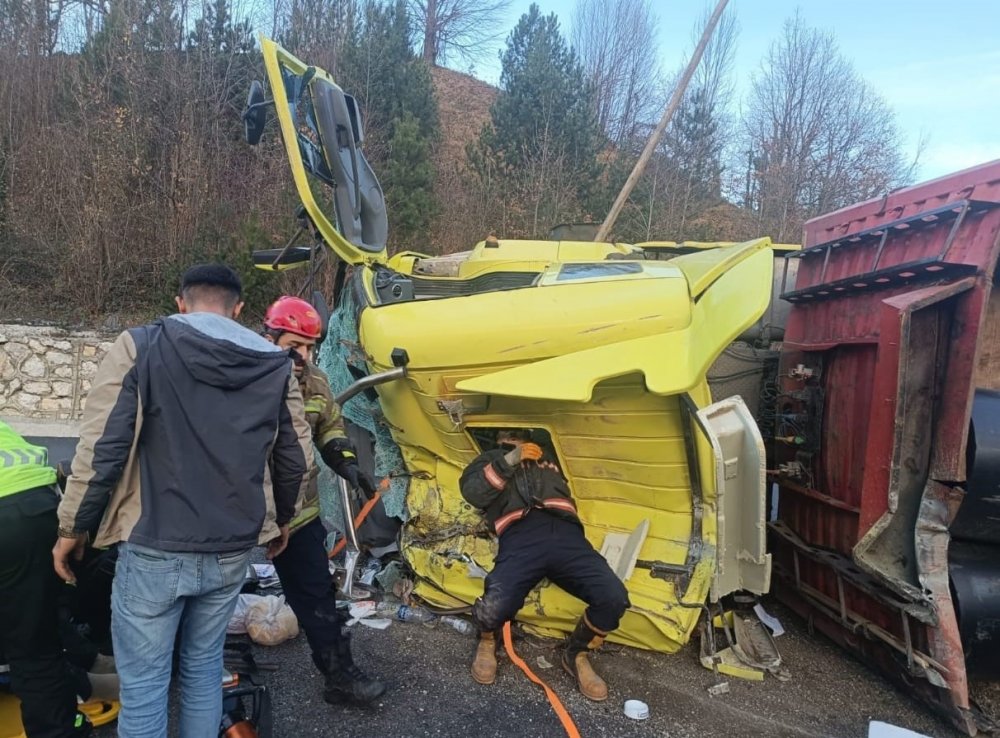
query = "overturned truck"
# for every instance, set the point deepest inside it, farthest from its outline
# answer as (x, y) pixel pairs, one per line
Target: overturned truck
(880, 418)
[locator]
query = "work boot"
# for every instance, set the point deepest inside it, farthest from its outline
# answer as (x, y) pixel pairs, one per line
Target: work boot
(484, 664)
(575, 660)
(345, 682)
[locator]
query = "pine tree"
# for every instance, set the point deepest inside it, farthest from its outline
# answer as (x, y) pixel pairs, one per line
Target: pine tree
(400, 116)
(216, 33)
(409, 185)
(381, 70)
(695, 148)
(539, 152)
(693, 168)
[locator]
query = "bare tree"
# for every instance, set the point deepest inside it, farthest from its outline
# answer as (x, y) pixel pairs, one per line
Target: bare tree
(818, 136)
(694, 146)
(676, 98)
(318, 30)
(457, 29)
(616, 42)
(715, 73)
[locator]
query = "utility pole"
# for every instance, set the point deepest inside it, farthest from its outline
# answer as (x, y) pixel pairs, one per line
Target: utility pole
(604, 231)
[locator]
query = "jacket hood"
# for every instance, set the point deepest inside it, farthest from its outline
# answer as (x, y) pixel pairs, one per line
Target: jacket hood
(220, 352)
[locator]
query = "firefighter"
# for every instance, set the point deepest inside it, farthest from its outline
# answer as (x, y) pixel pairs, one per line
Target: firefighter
(293, 324)
(527, 502)
(30, 589)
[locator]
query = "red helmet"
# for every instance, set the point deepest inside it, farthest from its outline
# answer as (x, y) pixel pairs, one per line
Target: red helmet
(293, 315)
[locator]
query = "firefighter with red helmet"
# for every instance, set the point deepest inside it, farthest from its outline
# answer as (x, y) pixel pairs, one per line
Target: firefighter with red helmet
(293, 324)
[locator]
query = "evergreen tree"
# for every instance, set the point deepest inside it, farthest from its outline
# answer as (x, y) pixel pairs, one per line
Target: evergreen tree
(216, 33)
(539, 153)
(381, 70)
(318, 30)
(394, 89)
(695, 148)
(409, 184)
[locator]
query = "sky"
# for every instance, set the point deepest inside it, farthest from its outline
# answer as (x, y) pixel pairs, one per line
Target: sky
(936, 62)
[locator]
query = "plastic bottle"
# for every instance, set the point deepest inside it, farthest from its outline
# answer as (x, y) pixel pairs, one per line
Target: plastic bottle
(414, 614)
(387, 606)
(461, 625)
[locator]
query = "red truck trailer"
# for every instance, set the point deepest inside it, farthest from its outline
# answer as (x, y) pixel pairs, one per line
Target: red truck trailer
(886, 530)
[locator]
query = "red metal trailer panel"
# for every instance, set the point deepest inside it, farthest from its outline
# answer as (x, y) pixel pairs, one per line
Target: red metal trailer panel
(891, 332)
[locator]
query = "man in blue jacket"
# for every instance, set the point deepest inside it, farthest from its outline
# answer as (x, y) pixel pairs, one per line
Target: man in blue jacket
(193, 440)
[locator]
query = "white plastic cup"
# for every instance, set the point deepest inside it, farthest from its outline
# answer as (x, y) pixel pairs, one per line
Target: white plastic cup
(636, 709)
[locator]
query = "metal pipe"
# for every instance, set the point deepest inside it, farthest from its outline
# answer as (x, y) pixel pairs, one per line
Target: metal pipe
(352, 550)
(371, 380)
(291, 241)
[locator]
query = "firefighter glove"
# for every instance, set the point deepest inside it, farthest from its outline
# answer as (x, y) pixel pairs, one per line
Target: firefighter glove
(523, 452)
(348, 468)
(339, 455)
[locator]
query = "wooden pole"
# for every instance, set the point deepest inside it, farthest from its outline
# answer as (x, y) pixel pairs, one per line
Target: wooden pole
(654, 140)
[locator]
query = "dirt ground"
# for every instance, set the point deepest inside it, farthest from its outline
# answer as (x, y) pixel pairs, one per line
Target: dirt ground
(430, 692)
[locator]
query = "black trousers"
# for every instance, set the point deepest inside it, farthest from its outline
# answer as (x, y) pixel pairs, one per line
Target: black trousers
(544, 545)
(310, 591)
(87, 605)
(29, 630)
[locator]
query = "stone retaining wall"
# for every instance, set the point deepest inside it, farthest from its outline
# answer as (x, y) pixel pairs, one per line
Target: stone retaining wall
(45, 372)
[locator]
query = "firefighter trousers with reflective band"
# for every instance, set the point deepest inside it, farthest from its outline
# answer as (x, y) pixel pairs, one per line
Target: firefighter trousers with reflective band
(543, 545)
(29, 594)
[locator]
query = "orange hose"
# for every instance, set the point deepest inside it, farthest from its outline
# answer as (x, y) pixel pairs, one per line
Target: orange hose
(557, 706)
(339, 546)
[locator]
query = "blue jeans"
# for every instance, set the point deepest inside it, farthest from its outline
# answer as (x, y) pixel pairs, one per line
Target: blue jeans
(155, 593)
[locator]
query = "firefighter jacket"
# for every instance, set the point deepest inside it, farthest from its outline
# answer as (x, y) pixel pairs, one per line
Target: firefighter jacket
(23, 466)
(327, 425)
(193, 439)
(505, 494)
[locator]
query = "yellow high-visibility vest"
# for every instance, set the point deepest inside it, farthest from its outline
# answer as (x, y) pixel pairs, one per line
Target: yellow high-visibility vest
(22, 465)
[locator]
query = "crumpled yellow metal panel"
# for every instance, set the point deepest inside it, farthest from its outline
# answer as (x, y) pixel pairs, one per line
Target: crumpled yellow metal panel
(671, 361)
(510, 327)
(444, 534)
(624, 433)
(275, 59)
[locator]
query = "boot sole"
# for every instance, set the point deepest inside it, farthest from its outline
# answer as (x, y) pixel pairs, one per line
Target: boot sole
(343, 699)
(477, 680)
(569, 671)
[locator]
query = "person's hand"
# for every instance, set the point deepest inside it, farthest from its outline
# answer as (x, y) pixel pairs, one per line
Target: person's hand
(357, 478)
(65, 548)
(276, 545)
(530, 452)
(523, 452)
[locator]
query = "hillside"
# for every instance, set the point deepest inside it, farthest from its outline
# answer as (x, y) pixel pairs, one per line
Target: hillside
(463, 109)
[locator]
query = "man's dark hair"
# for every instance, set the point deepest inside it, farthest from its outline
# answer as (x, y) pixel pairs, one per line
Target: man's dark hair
(212, 283)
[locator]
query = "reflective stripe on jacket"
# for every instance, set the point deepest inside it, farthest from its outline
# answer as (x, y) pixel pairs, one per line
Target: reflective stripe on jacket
(505, 494)
(23, 466)
(326, 424)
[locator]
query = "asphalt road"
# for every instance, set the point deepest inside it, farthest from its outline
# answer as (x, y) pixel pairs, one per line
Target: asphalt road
(431, 694)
